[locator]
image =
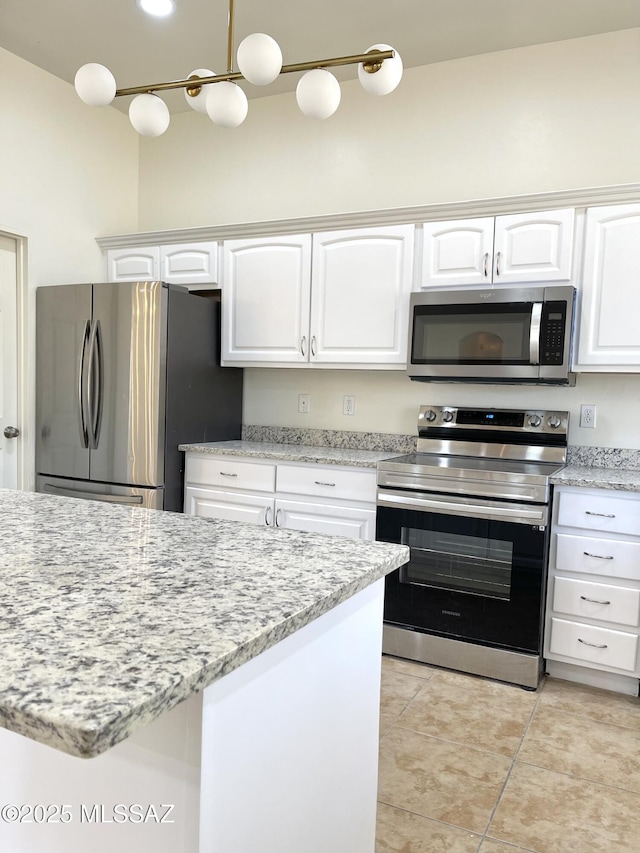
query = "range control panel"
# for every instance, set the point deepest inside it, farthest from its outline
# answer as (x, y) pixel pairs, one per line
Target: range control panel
(508, 420)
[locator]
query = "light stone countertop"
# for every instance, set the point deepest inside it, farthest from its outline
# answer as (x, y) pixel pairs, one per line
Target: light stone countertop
(293, 452)
(113, 615)
(617, 479)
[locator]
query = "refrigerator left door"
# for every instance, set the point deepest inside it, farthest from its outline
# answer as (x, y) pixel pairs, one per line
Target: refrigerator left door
(105, 492)
(63, 315)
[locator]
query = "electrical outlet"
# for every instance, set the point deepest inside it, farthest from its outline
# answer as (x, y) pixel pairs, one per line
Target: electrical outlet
(587, 416)
(349, 405)
(303, 403)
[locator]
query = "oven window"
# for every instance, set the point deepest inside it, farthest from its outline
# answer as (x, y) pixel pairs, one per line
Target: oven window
(484, 334)
(471, 564)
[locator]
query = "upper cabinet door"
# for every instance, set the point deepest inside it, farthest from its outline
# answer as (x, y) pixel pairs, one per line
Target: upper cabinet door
(189, 263)
(609, 336)
(138, 264)
(265, 299)
(532, 247)
(457, 252)
(360, 285)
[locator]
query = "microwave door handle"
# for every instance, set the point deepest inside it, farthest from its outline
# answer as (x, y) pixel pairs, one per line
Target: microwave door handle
(534, 333)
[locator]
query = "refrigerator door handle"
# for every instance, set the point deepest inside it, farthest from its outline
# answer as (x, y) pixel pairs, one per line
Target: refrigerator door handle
(83, 415)
(95, 383)
(129, 500)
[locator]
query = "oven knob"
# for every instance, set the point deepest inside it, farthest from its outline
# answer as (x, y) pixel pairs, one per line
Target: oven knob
(447, 416)
(535, 420)
(554, 422)
(430, 415)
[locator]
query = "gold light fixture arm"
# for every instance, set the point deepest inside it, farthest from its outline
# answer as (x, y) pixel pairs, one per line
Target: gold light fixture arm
(372, 62)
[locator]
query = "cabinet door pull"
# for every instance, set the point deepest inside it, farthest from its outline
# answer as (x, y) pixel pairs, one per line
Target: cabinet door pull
(278, 511)
(313, 345)
(594, 645)
(597, 556)
(485, 265)
(601, 514)
(267, 510)
(226, 474)
(498, 263)
(320, 483)
(303, 344)
(593, 600)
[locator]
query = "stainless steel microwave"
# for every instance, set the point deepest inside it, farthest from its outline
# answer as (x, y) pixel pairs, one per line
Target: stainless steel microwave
(516, 335)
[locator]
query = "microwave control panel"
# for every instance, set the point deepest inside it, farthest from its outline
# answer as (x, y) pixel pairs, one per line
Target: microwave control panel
(552, 328)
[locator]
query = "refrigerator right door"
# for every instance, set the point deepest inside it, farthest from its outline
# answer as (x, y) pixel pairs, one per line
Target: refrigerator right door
(127, 382)
(63, 323)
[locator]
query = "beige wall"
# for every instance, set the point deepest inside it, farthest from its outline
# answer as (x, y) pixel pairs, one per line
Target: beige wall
(550, 117)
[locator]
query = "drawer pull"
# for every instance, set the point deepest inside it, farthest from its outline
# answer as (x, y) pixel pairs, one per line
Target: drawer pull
(226, 474)
(320, 483)
(601, 514)
(593, 600)
(594, 645)
(597, 556)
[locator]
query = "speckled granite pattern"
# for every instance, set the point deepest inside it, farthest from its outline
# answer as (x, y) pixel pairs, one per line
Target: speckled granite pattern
(618, 479)
(292, 452)
(603, 457)
(113, 615)
(395, 444)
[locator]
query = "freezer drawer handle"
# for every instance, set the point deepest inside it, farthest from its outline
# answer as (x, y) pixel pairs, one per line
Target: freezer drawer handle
(601, 514)
(320, 483)
(131, 500)
(593, 600)
(593, 645)
(597, 556)
(226, 474)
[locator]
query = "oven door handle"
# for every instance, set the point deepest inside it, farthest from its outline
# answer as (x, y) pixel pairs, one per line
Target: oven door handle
(440, 505)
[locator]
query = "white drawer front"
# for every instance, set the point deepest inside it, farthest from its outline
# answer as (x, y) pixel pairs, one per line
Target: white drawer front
(594, 645)
(601, 601)
(599, 512)
(358, 485)
(230, 474)
(611, 558)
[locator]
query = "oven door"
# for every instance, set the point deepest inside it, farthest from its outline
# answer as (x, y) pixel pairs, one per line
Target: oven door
(476, 570)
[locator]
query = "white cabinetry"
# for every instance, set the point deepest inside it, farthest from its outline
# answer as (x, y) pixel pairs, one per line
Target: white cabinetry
(329, 499)
(523, 247)
(330, 299)
(609, 336)
(593, 604)
(176, 263)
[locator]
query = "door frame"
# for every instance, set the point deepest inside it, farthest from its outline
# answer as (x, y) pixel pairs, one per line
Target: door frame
(25, 391)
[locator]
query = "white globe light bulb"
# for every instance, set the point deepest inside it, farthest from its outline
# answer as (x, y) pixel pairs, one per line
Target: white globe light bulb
(227, 104)
(199, 102)
(259, 59)
(384, 80)
(149, 115)
(95, 85)
(318, 93)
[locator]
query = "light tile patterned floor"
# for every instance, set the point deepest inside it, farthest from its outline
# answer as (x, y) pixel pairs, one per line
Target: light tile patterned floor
(469, 765)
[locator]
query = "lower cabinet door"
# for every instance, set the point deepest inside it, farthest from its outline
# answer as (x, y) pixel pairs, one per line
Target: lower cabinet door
(598, 646)
(209, 503)
(322, 518)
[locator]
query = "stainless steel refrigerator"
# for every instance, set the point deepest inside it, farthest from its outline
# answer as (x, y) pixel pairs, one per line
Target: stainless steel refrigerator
(125, 372)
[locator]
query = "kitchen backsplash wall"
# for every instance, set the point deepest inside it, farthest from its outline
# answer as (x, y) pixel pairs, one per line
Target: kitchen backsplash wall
(388, 402)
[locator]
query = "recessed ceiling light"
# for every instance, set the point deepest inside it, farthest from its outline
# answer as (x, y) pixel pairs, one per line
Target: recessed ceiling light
(159, 8)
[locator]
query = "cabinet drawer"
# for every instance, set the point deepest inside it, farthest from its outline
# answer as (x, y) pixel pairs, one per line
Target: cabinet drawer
(599, 512)
(594, 645)
(601, 601)
(328, 482)
(611, 558)
(230, 474)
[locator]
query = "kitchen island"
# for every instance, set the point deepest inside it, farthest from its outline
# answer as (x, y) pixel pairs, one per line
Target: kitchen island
(170, 683)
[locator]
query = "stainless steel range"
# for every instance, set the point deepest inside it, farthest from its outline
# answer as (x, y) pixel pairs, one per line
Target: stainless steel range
(473, 505)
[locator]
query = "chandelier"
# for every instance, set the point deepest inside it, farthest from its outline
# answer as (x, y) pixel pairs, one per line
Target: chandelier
(259, 61)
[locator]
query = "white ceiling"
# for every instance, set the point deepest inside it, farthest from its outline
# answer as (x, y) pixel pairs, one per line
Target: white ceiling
(61, 35)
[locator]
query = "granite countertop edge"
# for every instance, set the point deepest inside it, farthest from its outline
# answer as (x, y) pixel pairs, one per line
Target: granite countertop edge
(292, 452)
(614, 479)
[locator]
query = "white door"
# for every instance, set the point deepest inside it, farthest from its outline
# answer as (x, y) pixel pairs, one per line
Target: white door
(360, 286)
(266, 287)
(533, 247)
(189, 263)
(209, 503)
(136, 264)
(457, 252)
(353, 522)
(8, 363)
